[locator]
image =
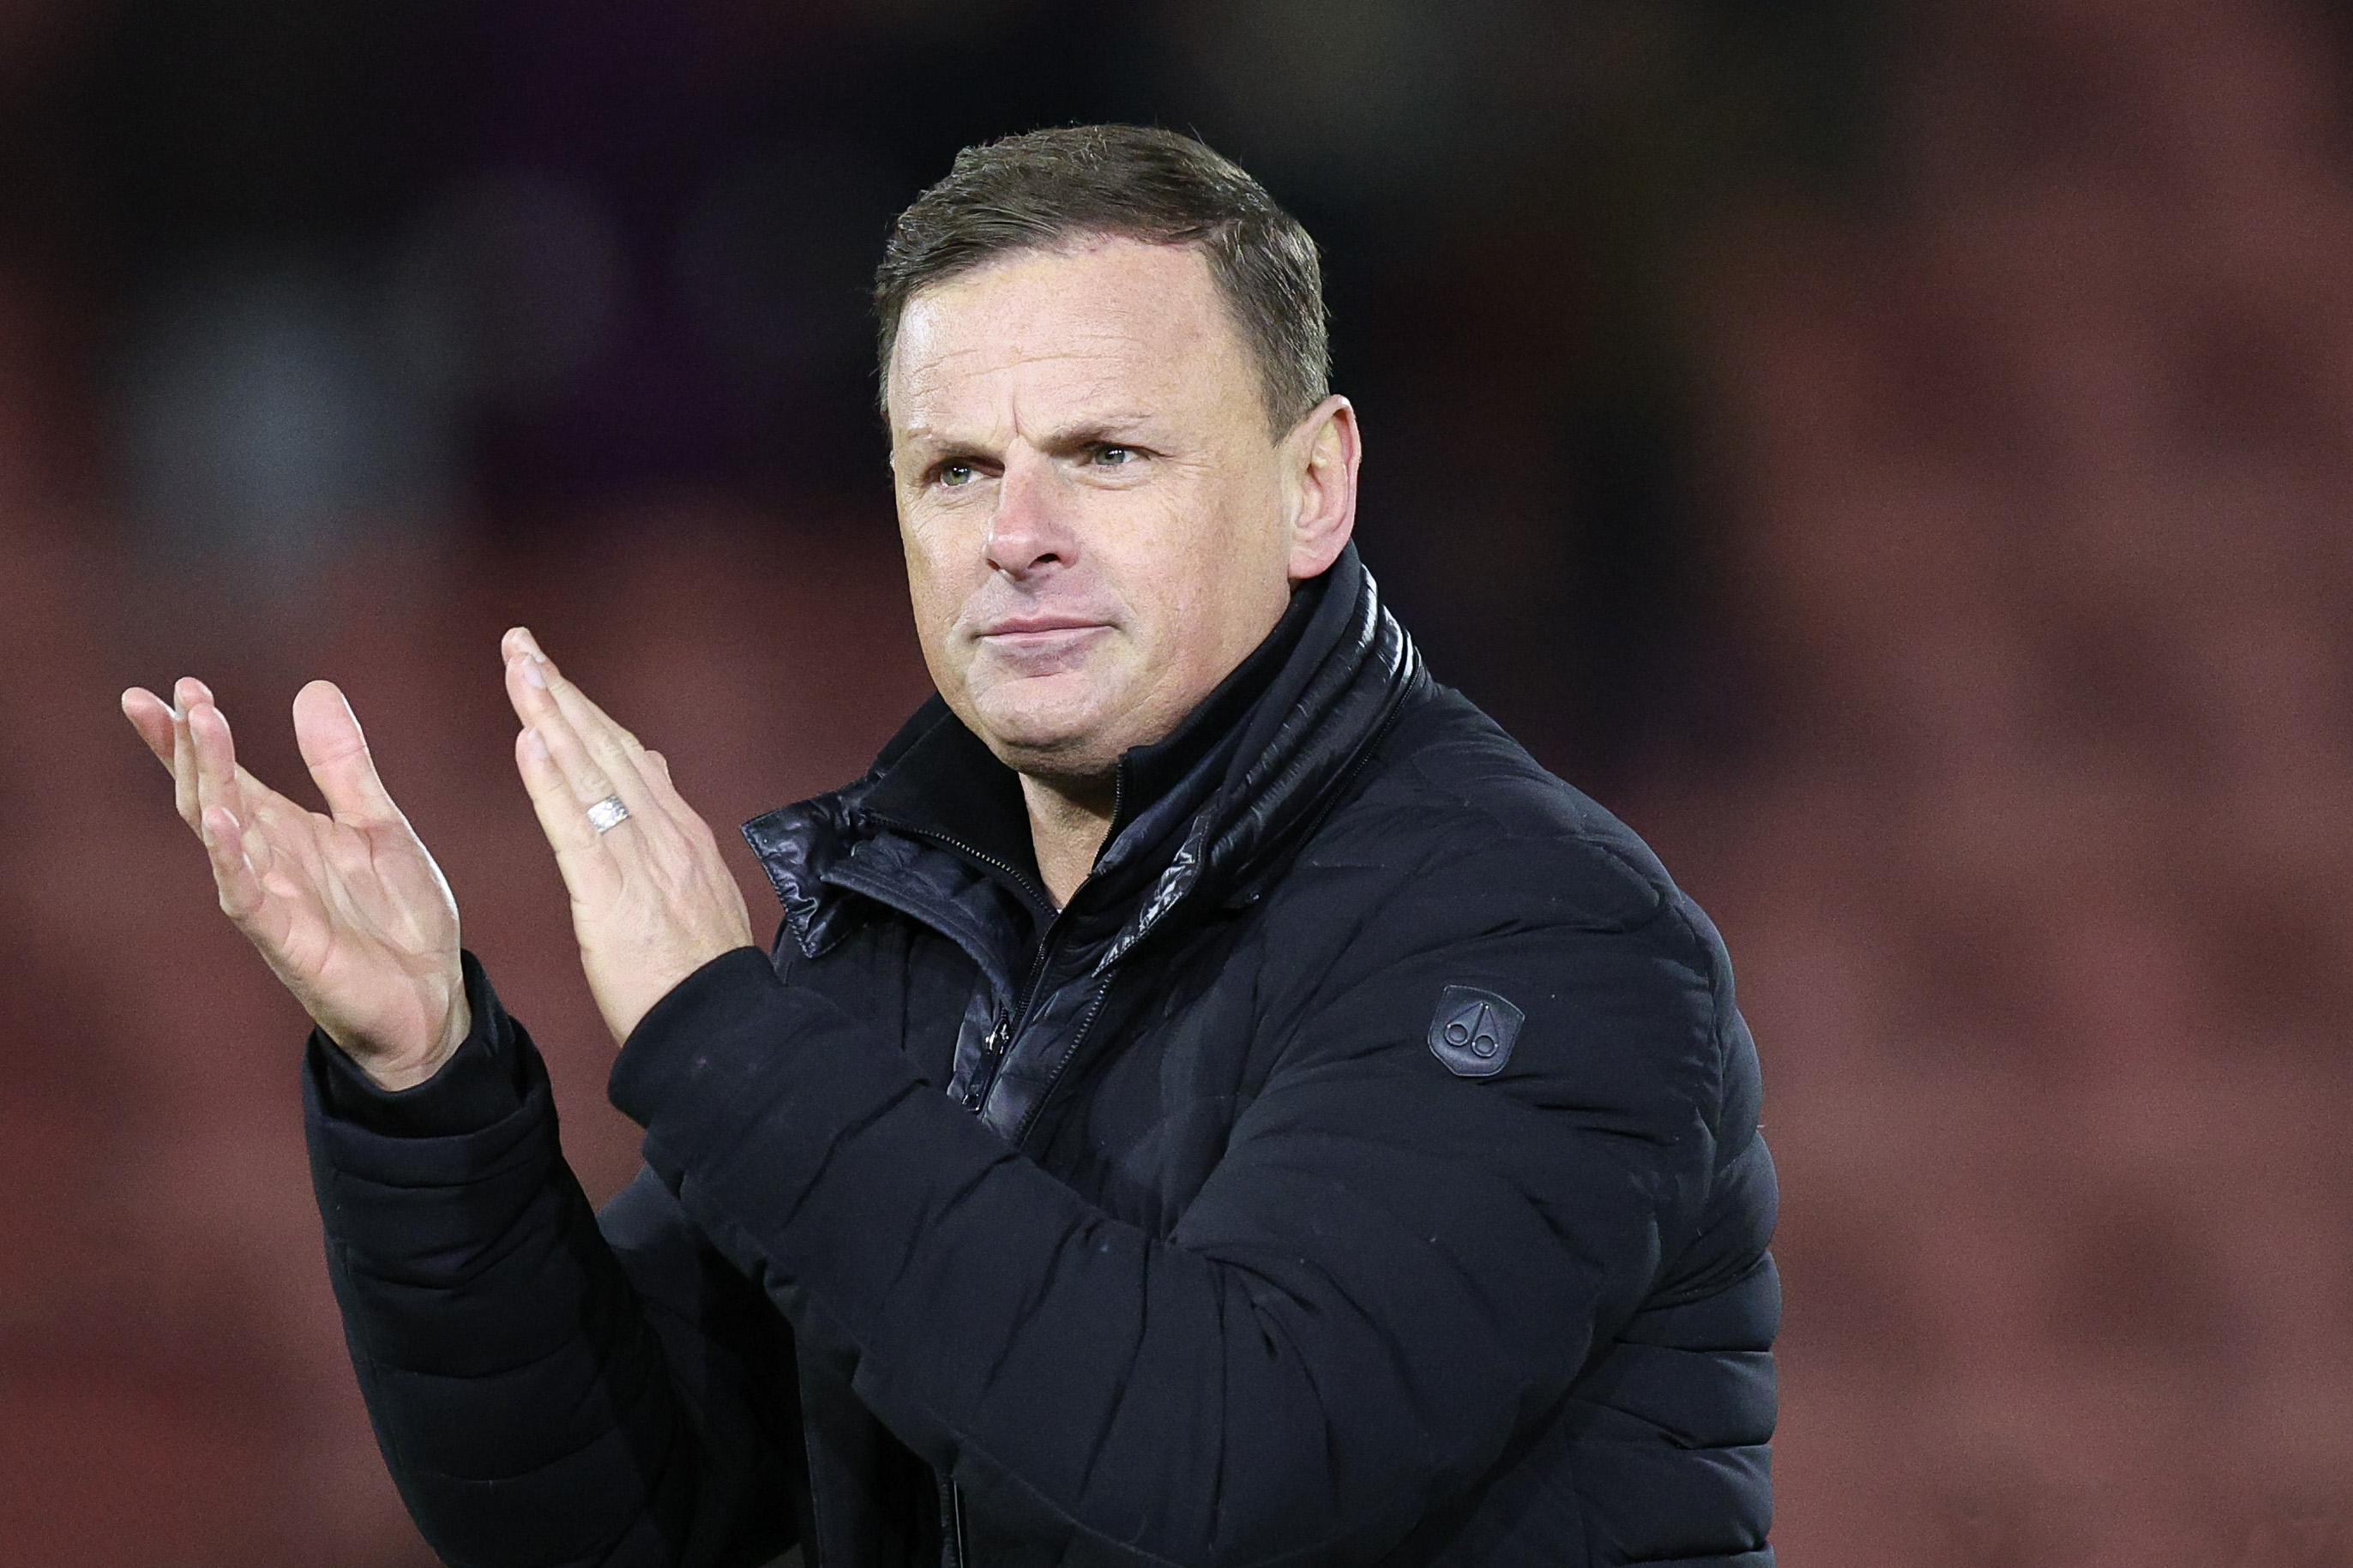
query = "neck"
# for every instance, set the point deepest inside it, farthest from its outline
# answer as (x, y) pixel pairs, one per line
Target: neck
(1068, 822)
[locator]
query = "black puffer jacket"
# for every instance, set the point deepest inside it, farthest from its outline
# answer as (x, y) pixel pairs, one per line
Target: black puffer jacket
(1363, 1169)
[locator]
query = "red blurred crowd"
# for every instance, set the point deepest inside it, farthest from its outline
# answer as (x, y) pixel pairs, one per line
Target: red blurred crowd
(2038, 868)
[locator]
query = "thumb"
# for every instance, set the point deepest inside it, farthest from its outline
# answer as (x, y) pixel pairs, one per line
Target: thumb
(336, 751)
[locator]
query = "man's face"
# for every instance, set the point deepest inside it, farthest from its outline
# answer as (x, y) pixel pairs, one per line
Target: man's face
(1097, 522)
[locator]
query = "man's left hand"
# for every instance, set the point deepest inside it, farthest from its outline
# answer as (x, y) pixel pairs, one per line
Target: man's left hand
(651, 900)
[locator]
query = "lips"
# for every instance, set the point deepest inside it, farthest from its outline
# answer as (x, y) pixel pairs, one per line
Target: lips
(1031, 626)
(1036, 645)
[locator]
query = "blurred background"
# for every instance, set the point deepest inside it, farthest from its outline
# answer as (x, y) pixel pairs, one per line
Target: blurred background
(1897, 456)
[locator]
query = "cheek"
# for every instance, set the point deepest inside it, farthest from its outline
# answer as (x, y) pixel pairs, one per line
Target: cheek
(938, 553)
(937, 587)
(1208, 561)
(1153, 558)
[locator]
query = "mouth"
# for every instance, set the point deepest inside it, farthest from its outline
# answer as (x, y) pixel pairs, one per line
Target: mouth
(1041, 644)
(1038, 631)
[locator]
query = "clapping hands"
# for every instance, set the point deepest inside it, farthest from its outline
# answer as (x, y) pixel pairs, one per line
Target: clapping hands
(349, 910)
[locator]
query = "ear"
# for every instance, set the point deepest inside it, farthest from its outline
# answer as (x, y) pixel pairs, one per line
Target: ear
(1320, 460)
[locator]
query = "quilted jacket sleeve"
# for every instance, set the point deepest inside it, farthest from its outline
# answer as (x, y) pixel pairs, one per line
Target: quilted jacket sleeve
(1393, 1272)
(548, 1389)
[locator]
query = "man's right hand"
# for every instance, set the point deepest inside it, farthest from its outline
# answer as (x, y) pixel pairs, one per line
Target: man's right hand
(349, 910)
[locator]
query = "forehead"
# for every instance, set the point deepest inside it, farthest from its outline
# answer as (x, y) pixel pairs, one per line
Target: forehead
(1110, 321)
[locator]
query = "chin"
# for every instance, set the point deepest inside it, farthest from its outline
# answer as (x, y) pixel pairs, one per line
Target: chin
(1045, 731)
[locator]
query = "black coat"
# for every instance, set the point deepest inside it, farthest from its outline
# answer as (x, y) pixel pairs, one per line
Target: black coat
(1363, 1169)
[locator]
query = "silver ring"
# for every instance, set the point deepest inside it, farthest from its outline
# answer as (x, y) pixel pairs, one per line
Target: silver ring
(607, 815)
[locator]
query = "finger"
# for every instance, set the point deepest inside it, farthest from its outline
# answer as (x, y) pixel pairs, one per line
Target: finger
(590, 719)
(657, 771)
(264, 806)
(186, 693)
(151, 716)
(577, 769)
(564, 777)
(538, 689)
(581, 853)
(558, 768)
(664, 789)
(233, 872)
(160, 727)
(216, 762)
(615, 750)
(335, 750)
(612, 739)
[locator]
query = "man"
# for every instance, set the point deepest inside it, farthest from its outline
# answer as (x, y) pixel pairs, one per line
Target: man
(1213, 1100)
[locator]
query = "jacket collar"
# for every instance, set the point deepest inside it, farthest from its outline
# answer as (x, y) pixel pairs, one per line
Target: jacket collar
(940, 783)
(1199, 813)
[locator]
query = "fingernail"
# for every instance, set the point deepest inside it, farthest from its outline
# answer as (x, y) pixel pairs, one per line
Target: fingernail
(534, 671)
(529, 643)
(535, 743)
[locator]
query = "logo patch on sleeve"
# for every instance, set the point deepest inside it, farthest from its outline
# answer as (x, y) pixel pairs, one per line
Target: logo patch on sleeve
(1473, 1031)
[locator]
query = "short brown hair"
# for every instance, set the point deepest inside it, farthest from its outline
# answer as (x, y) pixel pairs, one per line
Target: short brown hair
(1041, 190)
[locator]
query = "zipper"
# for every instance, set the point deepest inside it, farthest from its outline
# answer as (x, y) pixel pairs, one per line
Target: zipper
(1102, 985)
(999, 1040)
(1029, 992)
(998, 1044)
(992, 1056)
(1008, 1026)
(1020, 878)
(1077, 1039)
(814, 1537)
(961, 1543)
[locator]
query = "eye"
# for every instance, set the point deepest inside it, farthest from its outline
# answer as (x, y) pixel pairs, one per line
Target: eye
(1115, 457)
(953, 474)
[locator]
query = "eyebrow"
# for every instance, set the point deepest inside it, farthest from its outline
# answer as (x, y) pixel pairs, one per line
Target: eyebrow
(1102, 429)
(1110, 430)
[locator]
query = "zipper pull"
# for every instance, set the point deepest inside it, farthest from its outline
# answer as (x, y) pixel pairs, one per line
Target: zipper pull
(992, 1049)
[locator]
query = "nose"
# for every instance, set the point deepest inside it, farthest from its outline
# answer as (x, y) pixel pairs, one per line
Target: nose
(1033, 530)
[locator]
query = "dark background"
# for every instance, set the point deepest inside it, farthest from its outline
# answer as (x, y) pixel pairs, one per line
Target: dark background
(1898, 457)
